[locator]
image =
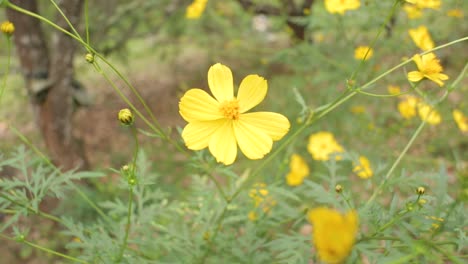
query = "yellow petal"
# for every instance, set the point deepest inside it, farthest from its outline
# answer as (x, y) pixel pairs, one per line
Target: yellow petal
(252, 91)
(273, 124)
(253, 142)
(417, 59)
(220, 82)
(415, 76)
(197, 135)
(223, 144)
(197, 105)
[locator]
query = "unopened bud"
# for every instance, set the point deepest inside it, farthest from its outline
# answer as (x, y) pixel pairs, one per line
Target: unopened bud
(126, 117)
(89, 57)
(420, 190)
(7, 28)
(338, 188)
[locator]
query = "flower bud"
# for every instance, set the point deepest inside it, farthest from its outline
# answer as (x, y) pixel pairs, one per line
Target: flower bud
(338, 188)
(7, 28)
(420, 190)
(89, 57)
(126, 117)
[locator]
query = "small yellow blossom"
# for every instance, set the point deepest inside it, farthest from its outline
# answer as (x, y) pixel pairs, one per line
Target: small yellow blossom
(358, 109)
(394, 89)
(298, 170)
(341, 6)
(455, 13)
(461, 120)
(428, 67)
(407, 107)
(221, 123)
(363, 53)
(252, 216)
(429, 114)
(7, 28)
(261, 198)
(412, 11)
(126, 116)
(363, 168)
(433, 4)
(421, 38)
(322, 145)
(420, 190)
(334, 234)
(195, 9)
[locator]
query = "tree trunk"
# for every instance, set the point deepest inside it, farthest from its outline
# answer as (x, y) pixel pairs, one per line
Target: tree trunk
(48, 75)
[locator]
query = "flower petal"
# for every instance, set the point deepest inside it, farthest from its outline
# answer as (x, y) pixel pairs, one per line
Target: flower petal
(198, 105)
(415, 76)
(197, 135)
(223, 144)
(253, 141)
(273, 124)
(252, 91)
(220, 82)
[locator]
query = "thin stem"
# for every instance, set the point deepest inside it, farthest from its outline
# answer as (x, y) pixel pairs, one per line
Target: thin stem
(66, 19)
(2, 89)
(395, 164)
(127, 227)
(86, 10)
(48, 250)
(49, 162)
(32, 210)
(381, 95)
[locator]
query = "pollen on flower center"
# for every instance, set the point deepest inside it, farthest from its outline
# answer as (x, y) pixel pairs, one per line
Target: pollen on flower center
(230, 109)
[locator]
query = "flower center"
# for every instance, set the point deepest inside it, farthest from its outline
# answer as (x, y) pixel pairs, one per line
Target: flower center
(230, 109)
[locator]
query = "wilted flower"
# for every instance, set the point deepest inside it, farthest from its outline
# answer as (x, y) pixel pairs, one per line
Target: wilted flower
(341, 6)
(322, 145)
(298, 170)
(334, 234)
(221, 123)
(363, 168)
(461, 120)
(428, 67)
(363, 53)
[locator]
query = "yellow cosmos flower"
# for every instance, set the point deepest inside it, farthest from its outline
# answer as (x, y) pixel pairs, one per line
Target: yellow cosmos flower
(433, 4)
(341, 6)
(363, 168)
(322, 145)
(221, 123)
(363, 53)
(298, 170)
(455, 13)
(461, 120)
(407, 107)
(428, 67)
(334, 234)
(394, 89)
(421, 38)
(195, 9)
(412, 11)
(429, 114)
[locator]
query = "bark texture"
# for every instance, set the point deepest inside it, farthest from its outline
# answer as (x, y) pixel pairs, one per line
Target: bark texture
(47, 66)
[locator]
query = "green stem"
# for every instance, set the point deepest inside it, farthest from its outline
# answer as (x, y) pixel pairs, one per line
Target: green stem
(127, 227)
(395, 164)
(2, 89)
(86, 10)
(48, 250)
(66, 19)
(32, 210)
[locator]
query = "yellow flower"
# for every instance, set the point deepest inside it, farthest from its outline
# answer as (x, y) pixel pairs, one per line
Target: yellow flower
(195, 9)
(434, 4)
(334, 234)
(394, 89)
(7, 28)
(221, 123)
(455, 13)
(429, 114)
(428, 67)
(407, 107)
(358, 109)
(322, 145)
(421, 38)
(461, 120)
(412, 11)
(261, 198)
(125, 117)
(341, 6)
(298, 170)
(363, 53)
(363, 168)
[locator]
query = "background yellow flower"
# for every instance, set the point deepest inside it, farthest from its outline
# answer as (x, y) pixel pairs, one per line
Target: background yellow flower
(429, 114)
(195, 9)
(322, 145)
(363, 53)
(341, 6)
(407, 107)
(461, 120)
(421, 37)
(334, 234)
(363, 168)
(298, 170)
(221, 123)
